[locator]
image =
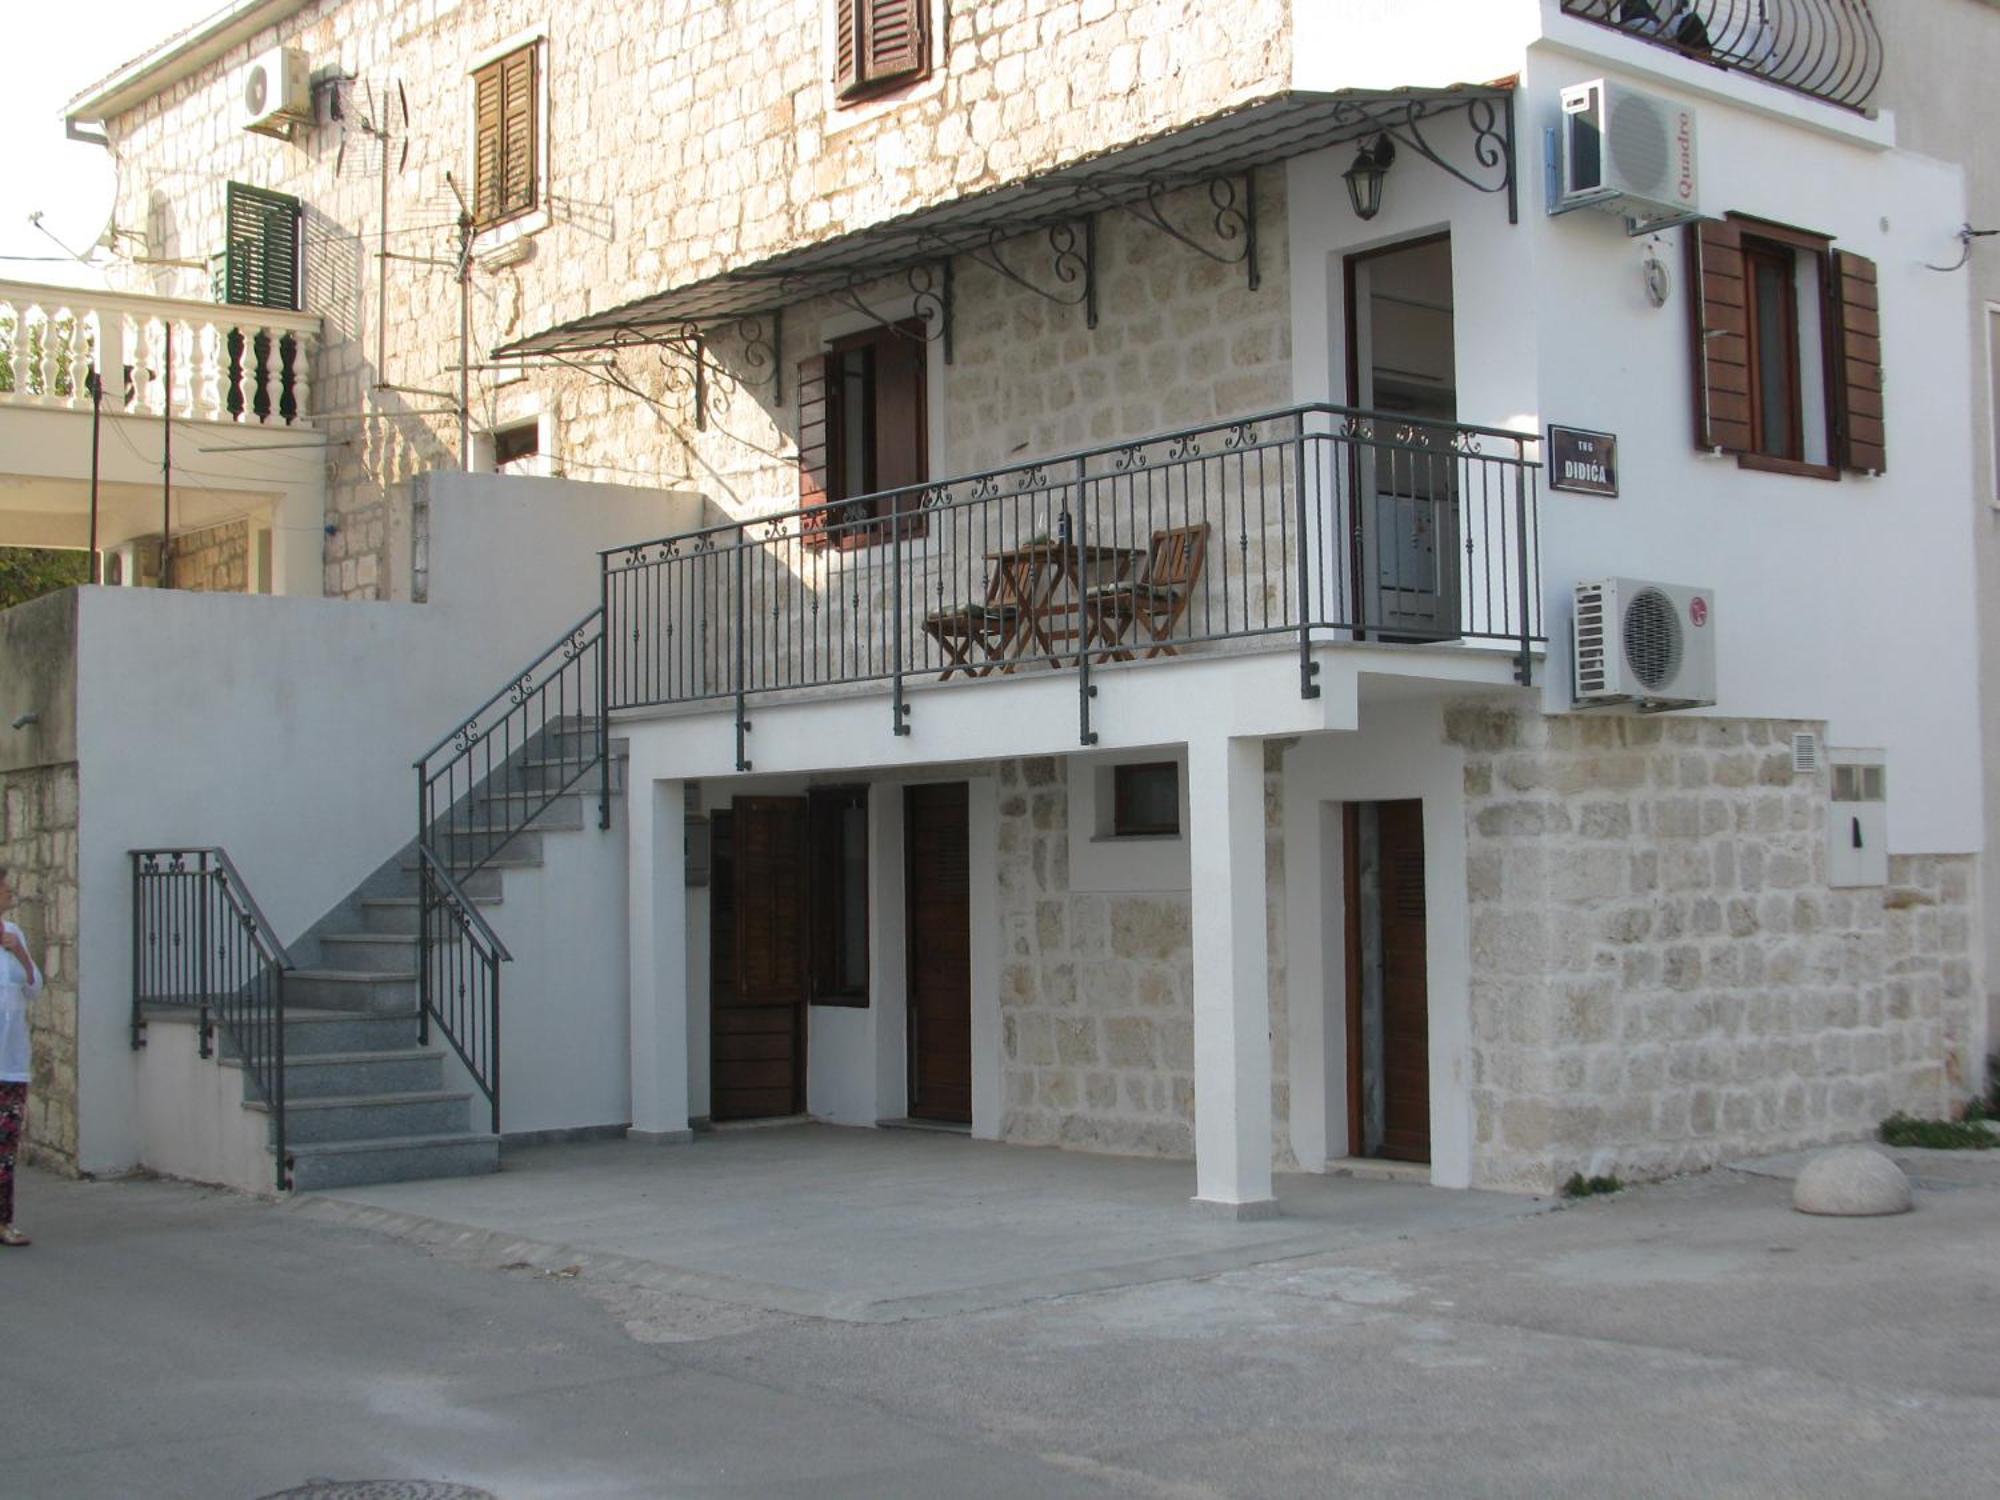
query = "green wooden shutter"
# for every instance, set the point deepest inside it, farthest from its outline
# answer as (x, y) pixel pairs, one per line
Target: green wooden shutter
(261, 253)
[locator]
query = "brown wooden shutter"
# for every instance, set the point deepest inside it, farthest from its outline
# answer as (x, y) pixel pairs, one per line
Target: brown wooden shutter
(1861, 439)
(846, 53)
(893, 39)
(487, 167)
(519, 134)
(1720, 330)
(900, 435)
(812, 448)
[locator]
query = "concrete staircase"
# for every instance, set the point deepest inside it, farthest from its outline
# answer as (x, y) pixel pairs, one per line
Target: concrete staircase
(364, 1101)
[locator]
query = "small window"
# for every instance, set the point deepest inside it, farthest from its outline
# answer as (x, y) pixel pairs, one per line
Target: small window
(260, 260)
(506, 165)
(513, 444)
(878, 45)
(838, 857)
(1146, 800)
(1788, 356)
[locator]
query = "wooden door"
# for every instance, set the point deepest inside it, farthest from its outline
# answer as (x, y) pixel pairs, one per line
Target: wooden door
(939, 885)
(757, 1041)
(1406, 1029)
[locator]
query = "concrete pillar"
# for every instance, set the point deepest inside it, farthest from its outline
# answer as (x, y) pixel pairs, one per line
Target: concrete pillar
(659, 938)
(1232, 992)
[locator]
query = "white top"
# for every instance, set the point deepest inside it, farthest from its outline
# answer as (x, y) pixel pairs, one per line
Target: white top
(17, 987)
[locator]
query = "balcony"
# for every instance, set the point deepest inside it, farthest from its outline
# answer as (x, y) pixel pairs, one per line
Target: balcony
(1825, 49)
(196, 467)
(1287, 530)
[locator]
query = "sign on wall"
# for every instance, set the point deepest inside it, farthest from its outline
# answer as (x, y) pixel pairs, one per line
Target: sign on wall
(1584, 462)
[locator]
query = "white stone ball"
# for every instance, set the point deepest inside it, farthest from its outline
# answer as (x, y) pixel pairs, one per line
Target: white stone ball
(1855, 1181)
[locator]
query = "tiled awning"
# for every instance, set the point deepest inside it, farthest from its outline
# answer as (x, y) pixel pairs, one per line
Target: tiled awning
(1225, 146)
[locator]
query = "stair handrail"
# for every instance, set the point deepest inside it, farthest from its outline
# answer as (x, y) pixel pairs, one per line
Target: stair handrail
(231, 971)
(473, 767)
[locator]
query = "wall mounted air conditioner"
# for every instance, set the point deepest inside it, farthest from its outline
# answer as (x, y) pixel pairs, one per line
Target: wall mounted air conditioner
(1627, 153)
(274, 93)
(1648, 645)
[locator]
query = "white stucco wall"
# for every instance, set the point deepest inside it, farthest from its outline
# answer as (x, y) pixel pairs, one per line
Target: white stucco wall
(284, 729)
(191, 1119)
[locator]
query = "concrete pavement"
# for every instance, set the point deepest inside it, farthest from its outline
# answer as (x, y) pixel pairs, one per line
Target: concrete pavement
(1692, 1338)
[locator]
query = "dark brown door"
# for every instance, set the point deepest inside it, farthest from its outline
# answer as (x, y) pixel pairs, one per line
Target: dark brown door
(1388, 1005)
(939, 882)
(1406, 1028)
(758, 960)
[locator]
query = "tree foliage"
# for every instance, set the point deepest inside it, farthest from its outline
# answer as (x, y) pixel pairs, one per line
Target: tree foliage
(30, 572)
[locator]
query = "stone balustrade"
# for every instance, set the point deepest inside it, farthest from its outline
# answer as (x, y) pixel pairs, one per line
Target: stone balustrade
(195, 361)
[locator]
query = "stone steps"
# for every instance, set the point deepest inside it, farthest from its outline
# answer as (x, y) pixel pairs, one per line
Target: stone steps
(371, 1117)
(324, 1165)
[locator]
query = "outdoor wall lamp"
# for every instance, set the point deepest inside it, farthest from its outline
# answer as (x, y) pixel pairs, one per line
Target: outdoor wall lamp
(1364, 178)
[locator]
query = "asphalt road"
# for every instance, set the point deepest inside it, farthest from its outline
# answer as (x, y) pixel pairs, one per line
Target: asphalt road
(1694, 1338)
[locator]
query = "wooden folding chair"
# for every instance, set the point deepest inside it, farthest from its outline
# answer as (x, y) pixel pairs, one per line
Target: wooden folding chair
(988, 627)
(1155, 600)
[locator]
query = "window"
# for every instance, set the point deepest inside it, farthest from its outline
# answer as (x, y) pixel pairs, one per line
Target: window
(878, 45)
(512, 443)
(862, 434)
(1146, 800)
(506, 152)
(260, 258)
(838, 857)
(1788, 351)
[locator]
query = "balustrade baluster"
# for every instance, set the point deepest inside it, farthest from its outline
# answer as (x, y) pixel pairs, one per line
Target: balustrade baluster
(265, 342)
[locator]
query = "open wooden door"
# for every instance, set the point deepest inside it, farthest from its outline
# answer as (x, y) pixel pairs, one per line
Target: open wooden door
(757, 1043)
(937, 836)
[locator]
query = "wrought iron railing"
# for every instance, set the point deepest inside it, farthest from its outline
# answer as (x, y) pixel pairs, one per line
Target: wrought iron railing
(1313, 523)
(459, 975)
(479, 789)
(1828, 49)
(199, 940)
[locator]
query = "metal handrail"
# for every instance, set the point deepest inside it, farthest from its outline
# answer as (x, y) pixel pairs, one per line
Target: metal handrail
(1316, 521)
(229, 964)
(1083, 455)
(459, 982)
(452, 889)
(1829, 50)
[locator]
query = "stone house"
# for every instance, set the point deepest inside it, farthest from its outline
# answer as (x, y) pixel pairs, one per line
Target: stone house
(1102, 649)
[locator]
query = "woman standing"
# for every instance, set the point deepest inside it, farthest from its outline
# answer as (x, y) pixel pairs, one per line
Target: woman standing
(20, 981)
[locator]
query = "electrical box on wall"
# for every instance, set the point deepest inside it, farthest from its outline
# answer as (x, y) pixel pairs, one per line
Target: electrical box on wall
(1857, 823)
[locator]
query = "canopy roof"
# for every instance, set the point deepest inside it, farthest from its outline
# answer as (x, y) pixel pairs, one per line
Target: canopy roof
(1224, 145)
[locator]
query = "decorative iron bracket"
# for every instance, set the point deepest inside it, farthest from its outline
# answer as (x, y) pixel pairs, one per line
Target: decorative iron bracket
(1492, 124)
(1234, 221)
(1074, 270)
(762, 337)
(930, 289)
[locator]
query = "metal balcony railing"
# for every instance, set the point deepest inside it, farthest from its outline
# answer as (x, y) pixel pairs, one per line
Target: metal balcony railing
(1309, 524)
(1827, 49)
(156, 356)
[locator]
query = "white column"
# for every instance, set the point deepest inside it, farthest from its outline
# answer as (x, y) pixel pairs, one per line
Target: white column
(657, 894)
(1232, 993)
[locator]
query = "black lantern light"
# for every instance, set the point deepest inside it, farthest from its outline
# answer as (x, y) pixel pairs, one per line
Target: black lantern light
(1364, 178)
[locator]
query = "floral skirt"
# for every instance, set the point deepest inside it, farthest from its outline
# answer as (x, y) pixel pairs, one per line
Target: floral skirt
(13, 1113)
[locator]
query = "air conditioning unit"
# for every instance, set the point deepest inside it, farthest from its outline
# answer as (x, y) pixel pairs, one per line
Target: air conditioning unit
(1649, 645)
(274, 93)
(1627, 153)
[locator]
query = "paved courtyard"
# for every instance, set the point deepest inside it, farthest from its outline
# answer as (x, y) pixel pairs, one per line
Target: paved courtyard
(1693, 1338)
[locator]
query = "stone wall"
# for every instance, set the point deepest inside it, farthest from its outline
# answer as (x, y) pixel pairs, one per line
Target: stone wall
(683, 139)
(214, 561)
(1096, 988)
(1662, 979)
(38, 847)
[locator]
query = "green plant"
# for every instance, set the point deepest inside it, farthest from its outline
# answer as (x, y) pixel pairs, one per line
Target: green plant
(29, 572)
(1580, 1186)
(1936, 1135)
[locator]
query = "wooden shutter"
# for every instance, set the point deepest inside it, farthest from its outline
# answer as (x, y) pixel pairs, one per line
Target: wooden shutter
(261, 253)
(1860, 438)
(1720, 330)
(487, 167)
(813, 409)
(892, 39)
(518, 133)
(901, 460)
(846, 48)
